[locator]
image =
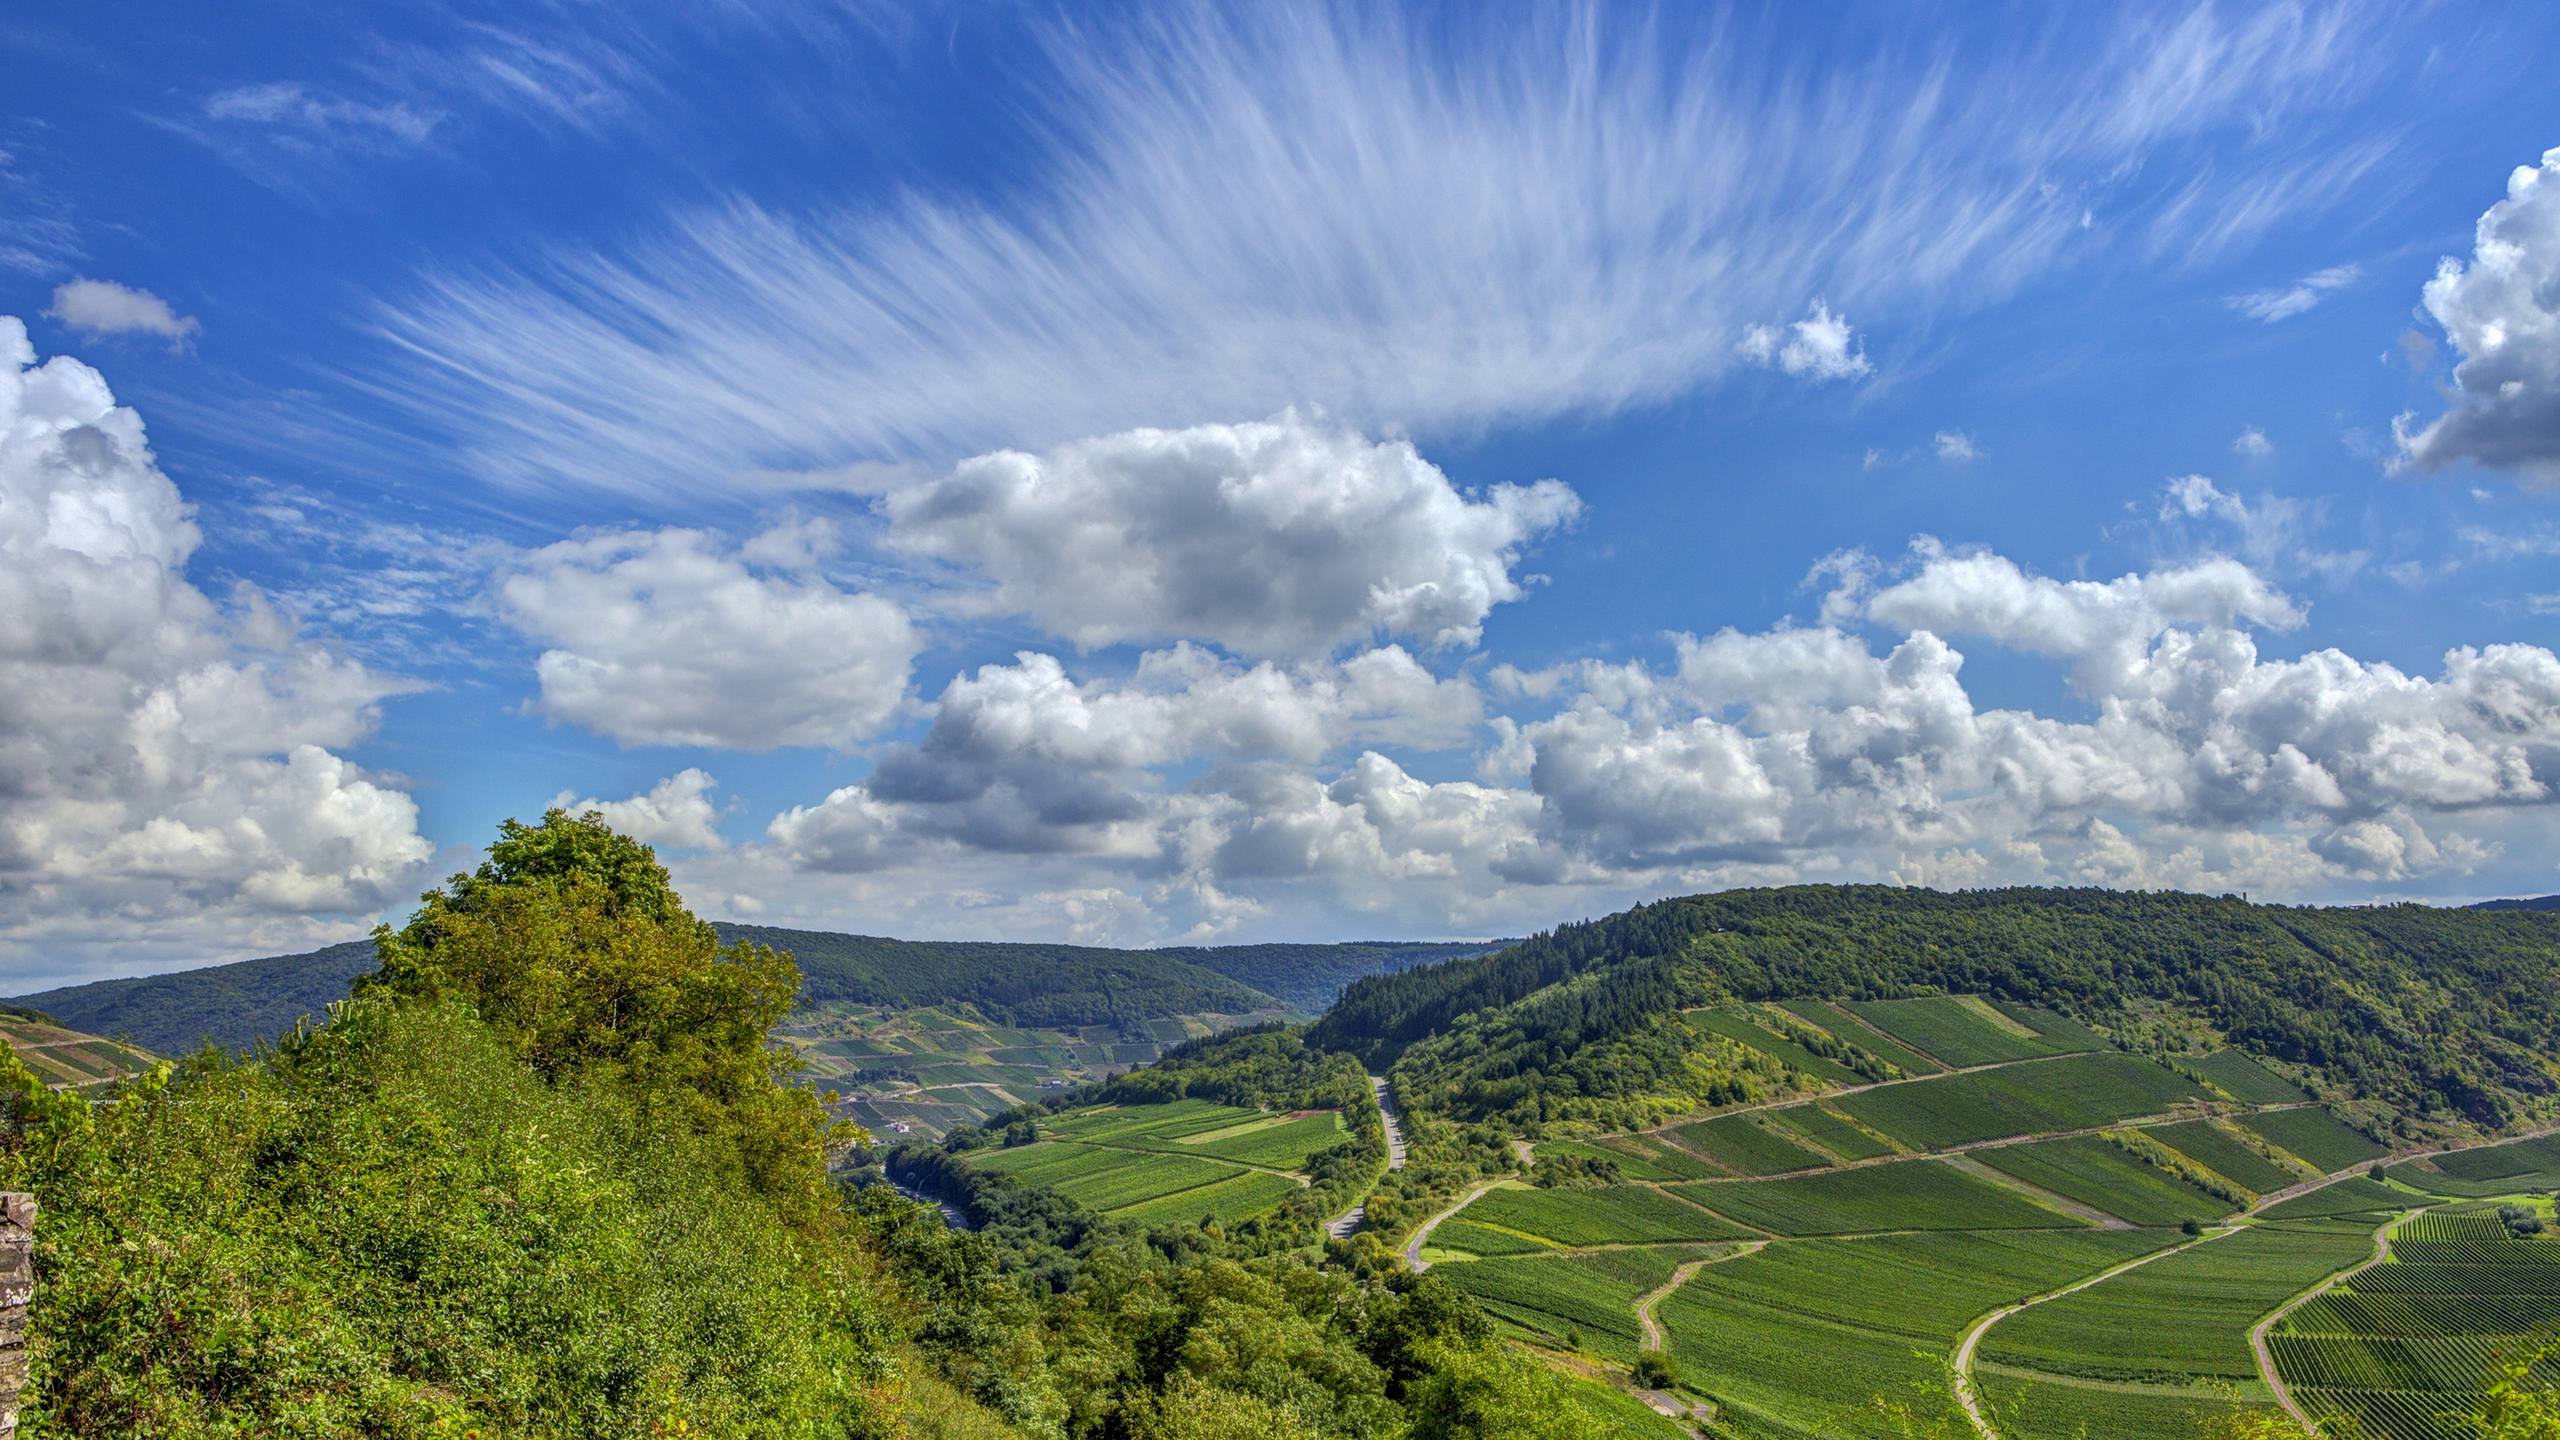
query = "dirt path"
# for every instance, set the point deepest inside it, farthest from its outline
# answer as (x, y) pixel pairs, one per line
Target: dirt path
(1648, 1302)
(1965, 1393)
(1413, 1248)
(2258, 1332)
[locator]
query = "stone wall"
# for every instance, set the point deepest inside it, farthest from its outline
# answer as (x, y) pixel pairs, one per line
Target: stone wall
(17, 1287)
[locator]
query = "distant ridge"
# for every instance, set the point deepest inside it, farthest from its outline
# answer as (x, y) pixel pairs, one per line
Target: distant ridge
(2538, 902)
(240, 1005)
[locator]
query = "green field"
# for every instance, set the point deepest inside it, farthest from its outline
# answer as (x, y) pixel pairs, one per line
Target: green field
(1840, 1023)
(1638, 1157)
(2405, 1342)
(1171, 1164)
(2074, 1092)
(1739, 1025)
(2354, 1195)
(1748, 1145)
(1465, 1237)
(1963, 1030)
(2225, 1154)
(2088, 1169)
(2245, 1079)
(1896, 1195)
(1832, 1131)
(1800, 1339)
(1613, 1215)
(2329, 1143)
(1555, 1298)
(2513, 1168)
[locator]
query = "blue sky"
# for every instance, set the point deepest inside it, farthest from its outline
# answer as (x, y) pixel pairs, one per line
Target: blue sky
(1141, 475)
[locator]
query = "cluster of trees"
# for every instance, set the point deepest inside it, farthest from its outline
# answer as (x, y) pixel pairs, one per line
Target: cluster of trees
(538, 1177)
(2441, 1018)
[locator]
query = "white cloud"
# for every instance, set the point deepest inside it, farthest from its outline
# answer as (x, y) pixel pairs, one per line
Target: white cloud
(291, 108)
(2253, 443)
(1199, 792)
(2270, 306)
(169, 765)
(669, 637)
(1023, 758)
(1955, 447)
(677, 811)
(1819, 346)
(99, 308)
(2273, 532)
(1440, 228)
(2502, 313)
(1286, 536)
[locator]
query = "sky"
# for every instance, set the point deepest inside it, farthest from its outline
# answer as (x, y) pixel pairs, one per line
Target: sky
(1179, 474)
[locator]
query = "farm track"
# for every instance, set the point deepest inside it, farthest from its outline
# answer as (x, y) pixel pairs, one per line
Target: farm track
(2258, 1333)
(1652, 1300)
(1413, 1260)
(1964, 1389)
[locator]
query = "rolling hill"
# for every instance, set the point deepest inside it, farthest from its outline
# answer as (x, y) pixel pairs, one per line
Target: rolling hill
(1032, 985)
(2444, 1019)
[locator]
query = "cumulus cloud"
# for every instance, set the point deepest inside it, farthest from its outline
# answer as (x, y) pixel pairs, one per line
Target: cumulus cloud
(169, 766)
(2286, 301)
(672, 637)
(2253, 443)
(1282, 537)
(1024, 758)
(677, 811)
(2502, 314)
(1819, 346)
(99, 308)
(1436, 226)
(1852, 749)
(1956, 447)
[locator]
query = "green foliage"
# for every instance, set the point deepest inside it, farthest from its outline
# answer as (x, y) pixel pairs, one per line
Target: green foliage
(570, 943)
(392, 1227)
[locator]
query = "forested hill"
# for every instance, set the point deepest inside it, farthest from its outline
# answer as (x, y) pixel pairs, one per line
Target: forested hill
(2447, 1016)
(234, 1006)
(2537, 902)
(1029, 984)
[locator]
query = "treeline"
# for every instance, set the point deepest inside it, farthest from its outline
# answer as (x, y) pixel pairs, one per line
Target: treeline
(2442, 1017)
(1028, 985)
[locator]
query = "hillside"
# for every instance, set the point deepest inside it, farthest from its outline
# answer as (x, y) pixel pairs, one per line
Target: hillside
(2441, 1018)
(66, 1059)
(234, 1006)
(2535, 902)
(1031, 985)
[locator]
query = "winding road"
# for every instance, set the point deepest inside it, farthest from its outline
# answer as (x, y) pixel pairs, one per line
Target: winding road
(1341, 1226)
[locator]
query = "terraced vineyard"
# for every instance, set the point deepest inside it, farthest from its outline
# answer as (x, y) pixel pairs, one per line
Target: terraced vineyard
(2055, 1179)
(2404, 1345)
(923, 1071)
(68, 1059)
(1171, 1164)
